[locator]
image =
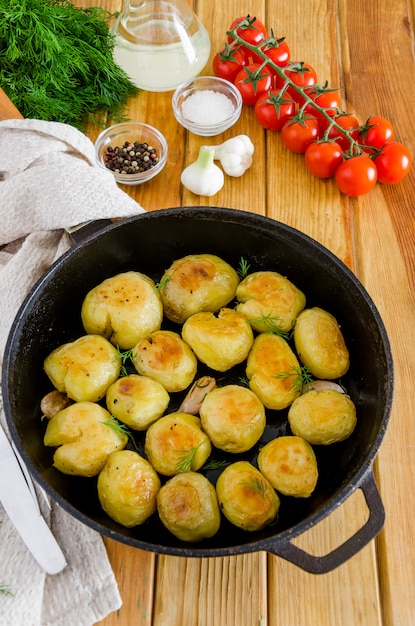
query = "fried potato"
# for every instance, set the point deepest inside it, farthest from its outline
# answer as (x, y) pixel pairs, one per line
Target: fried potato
(197, 282)
(290, 465)
(84, 368)
(82, 439)
(124, 309)
(176, 443)
(188, 507)
(127, 488)
(220, 341)
(320, 344)
(272, 369)
(269, 300)
(322, 417)
(137, 400)
(165, 357)
(233, 418)
(246, 498)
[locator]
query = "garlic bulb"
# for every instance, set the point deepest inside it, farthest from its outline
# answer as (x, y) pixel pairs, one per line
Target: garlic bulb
(203, 177)
(235, 155)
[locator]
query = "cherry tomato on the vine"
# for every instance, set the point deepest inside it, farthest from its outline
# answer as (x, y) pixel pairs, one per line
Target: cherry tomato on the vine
(393, 163)
(228, 62)
(273, 109)
(327, 99)
(349, 123)
(252, 81)
(277, 51)
(356, 176)
(376, 132)
(300, 131)
(301, 74)
(250, 29)
(322, 158)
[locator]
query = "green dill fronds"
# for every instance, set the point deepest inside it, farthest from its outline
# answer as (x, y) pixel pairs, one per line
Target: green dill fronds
(118, 427)
(257, 485)
(185, 462)
(243, 268)
(125, 356)
(4, 590)
(215, 465)
(270, 325)
(301, 376)
(244, 381)
(163, 283)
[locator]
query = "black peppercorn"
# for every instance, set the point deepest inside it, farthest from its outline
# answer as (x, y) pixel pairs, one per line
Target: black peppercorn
(130, 158)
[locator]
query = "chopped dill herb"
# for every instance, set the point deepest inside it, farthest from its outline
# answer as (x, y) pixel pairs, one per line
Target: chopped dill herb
(243, 268)
(163, 283)
(301, 376)
(255, 484)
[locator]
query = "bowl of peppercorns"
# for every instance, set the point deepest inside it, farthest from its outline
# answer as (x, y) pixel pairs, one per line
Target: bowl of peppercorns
(133, 151)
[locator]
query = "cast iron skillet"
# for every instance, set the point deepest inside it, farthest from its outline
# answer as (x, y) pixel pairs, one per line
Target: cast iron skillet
(149, 243)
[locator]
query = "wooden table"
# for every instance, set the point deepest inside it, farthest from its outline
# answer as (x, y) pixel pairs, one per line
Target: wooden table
(367, 49)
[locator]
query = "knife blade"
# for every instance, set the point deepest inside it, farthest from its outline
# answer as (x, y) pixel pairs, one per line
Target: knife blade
(23, 510)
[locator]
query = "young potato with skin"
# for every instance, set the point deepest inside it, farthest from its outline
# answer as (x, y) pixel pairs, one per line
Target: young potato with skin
(127, 488)
(272, 369)
(320, 344)
(84, 368)
(82, 439)
(188, 507)
(197, 282)
(233, 417)
(176, 443)
(124, 309)
(290, 465)
(246, 498)
(220, 341)
(137, 401)
(269, 300)
(322, 417)
(165, 357)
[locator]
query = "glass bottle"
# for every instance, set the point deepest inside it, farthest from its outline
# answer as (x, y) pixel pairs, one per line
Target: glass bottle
(160, 43)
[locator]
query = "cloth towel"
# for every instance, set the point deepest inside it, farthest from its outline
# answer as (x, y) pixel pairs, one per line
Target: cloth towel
(49, 181)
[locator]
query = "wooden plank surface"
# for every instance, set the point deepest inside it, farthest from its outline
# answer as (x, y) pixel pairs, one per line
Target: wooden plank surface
(367, 49)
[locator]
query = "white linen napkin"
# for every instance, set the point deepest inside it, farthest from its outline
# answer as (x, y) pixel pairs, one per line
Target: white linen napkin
(49, 181)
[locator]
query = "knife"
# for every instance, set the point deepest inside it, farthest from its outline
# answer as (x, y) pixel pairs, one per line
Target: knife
(21, 506)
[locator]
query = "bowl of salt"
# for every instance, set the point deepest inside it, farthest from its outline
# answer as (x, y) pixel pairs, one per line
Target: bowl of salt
(207, 105)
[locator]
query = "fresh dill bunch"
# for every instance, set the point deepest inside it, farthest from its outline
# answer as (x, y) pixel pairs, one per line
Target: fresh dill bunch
(243, 268)
(301, 376)
(56, 62)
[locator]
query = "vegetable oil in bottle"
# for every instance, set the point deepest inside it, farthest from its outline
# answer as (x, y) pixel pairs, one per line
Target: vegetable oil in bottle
(160, 43)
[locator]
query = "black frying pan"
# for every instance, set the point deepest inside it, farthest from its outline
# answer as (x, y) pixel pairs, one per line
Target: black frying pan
(149, 243)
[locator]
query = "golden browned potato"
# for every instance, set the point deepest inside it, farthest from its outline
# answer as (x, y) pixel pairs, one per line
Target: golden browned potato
(233, 417)
(273, 371)
(165, 357)
(220, 341)
(127, 488)
(320, 344)
(137, 400)
(124, 309)
(83, 439)
(84, 368)
(188, 507)
(176, 443)
(197, 282)
(269, 300)
(322, 417)
(290, 465)
(246, 498)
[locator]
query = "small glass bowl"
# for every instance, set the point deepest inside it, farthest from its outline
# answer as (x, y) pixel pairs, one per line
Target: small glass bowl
(118, 134)
(200, 124)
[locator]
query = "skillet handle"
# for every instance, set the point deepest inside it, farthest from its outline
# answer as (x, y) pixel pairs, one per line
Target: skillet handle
(328, 562)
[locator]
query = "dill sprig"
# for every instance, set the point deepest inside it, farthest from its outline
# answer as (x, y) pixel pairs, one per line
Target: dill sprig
(270, 325)
(163, 283)
(56, 62)
(243, 268)
(186, 460)
(125, 356)
(215, 465)
(301, 376)
(255, 484)
(4, 590)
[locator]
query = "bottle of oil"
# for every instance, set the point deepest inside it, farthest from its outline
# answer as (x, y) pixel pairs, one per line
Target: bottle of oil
(160, 43)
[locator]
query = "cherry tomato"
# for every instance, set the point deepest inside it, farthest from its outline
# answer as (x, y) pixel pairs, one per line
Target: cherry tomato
(356, 176)
(277, 51)
(250, 29)
(228, 62)
(393, 163)
(252, 81)
(273, 110)
(348, 122)
(322, 158)
(376, 132)
(303, 75)
(327, 99)
(298, 132)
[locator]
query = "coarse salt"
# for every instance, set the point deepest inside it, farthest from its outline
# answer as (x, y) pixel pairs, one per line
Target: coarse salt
(207, 107)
